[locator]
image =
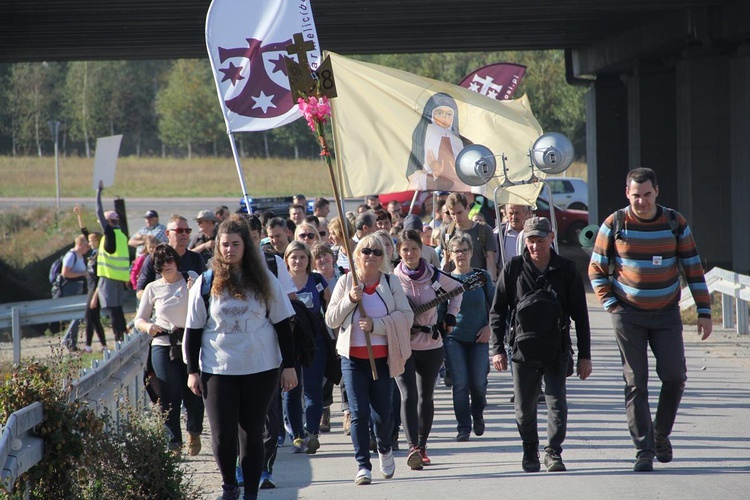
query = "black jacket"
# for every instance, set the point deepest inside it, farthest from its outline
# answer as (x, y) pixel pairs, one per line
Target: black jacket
(566, 281)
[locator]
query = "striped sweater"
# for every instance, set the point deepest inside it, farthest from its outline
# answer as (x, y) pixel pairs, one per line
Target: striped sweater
(646, 271)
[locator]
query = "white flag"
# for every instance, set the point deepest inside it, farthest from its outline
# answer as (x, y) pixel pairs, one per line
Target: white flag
(247, 43)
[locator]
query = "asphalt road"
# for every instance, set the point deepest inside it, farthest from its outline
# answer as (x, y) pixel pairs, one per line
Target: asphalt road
(710, 439)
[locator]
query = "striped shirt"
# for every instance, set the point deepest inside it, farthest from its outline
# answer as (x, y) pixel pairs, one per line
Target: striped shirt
(645, 264)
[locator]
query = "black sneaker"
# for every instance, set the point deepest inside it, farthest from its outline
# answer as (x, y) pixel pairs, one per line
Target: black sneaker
(663, 449)
(553, 462)
(530, 462)
(462, 436)
(643, 464)
(478, 426)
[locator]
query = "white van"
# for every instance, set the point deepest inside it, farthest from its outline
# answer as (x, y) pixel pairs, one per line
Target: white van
(569, 192)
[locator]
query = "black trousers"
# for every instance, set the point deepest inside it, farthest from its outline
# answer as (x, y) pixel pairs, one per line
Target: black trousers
(236, 406)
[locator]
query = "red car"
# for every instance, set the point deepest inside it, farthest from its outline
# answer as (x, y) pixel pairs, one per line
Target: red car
(405, 197)
(569, 222)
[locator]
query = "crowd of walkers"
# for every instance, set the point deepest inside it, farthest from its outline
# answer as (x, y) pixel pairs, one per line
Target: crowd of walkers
(392, 304)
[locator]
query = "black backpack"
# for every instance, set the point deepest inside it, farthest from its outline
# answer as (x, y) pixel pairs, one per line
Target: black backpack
(304, 325)
(537, 324)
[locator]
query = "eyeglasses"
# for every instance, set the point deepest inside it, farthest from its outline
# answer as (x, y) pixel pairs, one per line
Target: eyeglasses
(462, 251)
(307, 236)
(372, 251)
(180, 230)
(322, 233)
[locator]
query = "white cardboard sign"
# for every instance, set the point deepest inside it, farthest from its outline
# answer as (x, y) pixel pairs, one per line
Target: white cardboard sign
(105, 162)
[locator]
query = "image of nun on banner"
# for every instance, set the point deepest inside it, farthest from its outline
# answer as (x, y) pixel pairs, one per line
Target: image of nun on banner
(436, 143)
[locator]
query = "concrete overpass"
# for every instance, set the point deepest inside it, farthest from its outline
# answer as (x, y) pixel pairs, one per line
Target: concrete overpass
(669, 79)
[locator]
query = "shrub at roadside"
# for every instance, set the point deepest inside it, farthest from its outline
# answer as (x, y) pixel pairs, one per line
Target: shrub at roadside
(87, 456)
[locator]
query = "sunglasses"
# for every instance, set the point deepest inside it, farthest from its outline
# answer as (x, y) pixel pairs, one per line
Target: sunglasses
(322, 233)
(180, 230)
(307, 236)
(372, 251)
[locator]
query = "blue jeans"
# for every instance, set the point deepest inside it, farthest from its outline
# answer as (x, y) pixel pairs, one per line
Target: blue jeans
(312, 385)
(368, 399)
(172, 377)
(469, 366)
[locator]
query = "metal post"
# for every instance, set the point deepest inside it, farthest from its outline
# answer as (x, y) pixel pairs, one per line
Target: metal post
(727, 311)
(15, 315)
(741, 307)
(54, 128)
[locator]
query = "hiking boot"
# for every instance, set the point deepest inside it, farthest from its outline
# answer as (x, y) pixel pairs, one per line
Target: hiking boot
(325, 420)
(463, 436)
(414, 458)
(530, 461)
(478, 426)
(387, 464)
(423, 453)
(644, 463)
(663, 449)
(553, 462)
(347, 423)
(312, 445)
(194, 443)
(266, 481)
(299, 446)
(364, 476)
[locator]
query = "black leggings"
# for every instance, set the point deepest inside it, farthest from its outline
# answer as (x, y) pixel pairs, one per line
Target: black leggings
(94, 321)
(236, 406)
(417, 385)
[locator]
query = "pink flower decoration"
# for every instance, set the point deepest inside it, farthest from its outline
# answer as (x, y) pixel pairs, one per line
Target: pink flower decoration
(315, 110)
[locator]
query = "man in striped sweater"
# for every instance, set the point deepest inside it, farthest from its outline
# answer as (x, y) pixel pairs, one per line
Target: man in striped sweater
(645, 245)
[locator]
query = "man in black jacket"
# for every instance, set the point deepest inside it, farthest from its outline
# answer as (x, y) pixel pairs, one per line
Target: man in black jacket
(540, 265)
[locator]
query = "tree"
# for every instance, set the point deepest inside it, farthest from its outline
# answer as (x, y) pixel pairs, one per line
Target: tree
(187, 109)
(32, 96)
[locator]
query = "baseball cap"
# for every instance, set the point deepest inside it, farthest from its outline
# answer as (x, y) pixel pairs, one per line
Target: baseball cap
(537, 226)
(151, 213)
(413, 222)
(111, 215)
(206, 215)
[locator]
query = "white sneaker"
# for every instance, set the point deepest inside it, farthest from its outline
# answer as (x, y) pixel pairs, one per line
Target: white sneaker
(387, 464)
(364, 476)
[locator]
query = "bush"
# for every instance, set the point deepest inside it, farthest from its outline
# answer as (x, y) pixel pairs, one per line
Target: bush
(88, 456)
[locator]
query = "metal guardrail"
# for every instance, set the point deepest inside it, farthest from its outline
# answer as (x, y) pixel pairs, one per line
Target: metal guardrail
(17, 314)
(735, 296)
(116, 378)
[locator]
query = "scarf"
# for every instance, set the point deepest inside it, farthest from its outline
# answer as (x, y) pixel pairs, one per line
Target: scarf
(416, 273)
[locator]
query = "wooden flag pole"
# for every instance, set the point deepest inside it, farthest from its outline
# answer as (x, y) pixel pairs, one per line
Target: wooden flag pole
(313, 91)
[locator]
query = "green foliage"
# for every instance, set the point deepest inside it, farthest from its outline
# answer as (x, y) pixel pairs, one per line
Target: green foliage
(87, 456)
(187, 106)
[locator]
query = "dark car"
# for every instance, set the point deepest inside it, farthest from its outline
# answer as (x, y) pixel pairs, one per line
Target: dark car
(279, 205)
(569, 222)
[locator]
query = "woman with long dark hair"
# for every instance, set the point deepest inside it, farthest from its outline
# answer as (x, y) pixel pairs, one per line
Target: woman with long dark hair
(238, 336)
(422, 282)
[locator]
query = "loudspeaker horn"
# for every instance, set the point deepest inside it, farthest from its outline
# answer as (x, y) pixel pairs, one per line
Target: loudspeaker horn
(552, 153)
(475, 165)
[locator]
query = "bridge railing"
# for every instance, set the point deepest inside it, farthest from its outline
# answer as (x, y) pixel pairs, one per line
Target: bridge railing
(115, 379)
(735, 296)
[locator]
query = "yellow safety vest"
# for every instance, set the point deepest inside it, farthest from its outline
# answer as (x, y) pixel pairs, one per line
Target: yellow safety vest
(115, 265)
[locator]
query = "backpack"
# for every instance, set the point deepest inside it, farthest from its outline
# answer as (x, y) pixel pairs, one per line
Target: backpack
(537, 324)
(55, 275)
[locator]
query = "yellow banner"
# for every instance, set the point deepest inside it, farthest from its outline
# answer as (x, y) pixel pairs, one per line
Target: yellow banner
(395, 131)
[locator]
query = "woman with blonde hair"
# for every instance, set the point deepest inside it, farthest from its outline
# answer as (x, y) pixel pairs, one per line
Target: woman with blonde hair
(385, 318)
(338, 238)
(307, 233)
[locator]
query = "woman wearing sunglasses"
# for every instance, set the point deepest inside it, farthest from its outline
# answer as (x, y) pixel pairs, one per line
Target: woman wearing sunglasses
(167, 299)
(307, 233)
(312, 290)
(386, 320)
(236, 340)
(422, 282)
